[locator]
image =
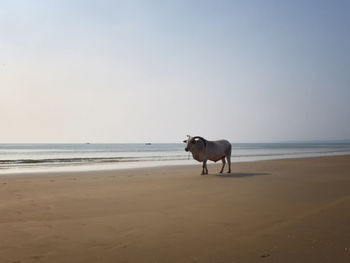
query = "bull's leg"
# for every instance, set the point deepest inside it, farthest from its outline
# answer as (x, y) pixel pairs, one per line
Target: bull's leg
(229, 163)
(223, 164)
(203, 167)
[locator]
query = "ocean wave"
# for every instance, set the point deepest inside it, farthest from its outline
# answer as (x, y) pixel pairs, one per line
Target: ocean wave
(92, 160)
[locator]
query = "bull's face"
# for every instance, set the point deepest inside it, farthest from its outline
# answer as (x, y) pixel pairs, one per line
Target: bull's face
(189, 142)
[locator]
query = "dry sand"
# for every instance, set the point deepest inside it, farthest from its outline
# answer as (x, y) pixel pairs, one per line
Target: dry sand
(292, 210)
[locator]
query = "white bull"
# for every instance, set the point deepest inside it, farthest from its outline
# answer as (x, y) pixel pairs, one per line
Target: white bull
(204, 150)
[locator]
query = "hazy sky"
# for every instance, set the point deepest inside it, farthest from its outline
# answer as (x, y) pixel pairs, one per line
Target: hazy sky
(139, 71)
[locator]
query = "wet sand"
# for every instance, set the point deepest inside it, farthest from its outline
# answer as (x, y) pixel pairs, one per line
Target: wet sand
(291, 210)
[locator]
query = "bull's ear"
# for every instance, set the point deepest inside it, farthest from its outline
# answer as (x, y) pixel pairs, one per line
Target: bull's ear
(194, 141)
(185, 141)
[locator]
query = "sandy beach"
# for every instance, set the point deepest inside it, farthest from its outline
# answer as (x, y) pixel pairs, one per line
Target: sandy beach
(291, 210)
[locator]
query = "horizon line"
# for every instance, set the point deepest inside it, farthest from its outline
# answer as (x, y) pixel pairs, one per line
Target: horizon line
(180, 142)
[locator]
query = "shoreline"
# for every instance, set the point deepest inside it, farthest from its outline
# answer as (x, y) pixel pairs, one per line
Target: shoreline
(287, 210)
(154, 164)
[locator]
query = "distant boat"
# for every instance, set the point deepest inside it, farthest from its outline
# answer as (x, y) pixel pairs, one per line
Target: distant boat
(148, 143)
(87, 143)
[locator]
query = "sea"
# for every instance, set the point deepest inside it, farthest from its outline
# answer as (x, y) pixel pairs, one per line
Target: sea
(34, 158)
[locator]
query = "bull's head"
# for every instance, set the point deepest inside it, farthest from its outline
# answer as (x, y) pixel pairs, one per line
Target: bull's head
(187, 142)
(192, 141)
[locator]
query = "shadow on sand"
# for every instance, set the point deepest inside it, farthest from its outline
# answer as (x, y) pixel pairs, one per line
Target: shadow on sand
(241, 175)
